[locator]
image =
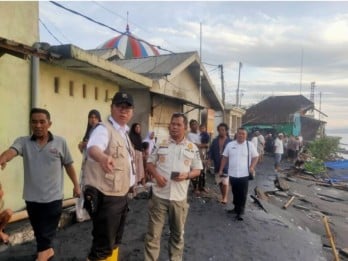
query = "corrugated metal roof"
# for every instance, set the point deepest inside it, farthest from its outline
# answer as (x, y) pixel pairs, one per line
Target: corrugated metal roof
(277, 109)
(74, 58)
(155, 65)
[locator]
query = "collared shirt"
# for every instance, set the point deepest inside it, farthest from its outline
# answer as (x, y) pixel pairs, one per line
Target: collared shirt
(170, 156)
(194, 137)
(278, 144)
(100, 138)
(238, 162)
(43, 167)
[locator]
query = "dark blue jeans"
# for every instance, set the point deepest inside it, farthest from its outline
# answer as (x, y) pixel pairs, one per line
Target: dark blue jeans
(44, 218)
(240, 192)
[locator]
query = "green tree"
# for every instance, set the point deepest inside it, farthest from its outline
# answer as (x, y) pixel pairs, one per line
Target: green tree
(324, 148)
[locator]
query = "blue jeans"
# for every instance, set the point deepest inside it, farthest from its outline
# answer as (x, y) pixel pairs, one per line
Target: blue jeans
(277, 159)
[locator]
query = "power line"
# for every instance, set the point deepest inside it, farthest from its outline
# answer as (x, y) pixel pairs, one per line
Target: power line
(50, 31)
(112, 12)
(107, 26)
(50, 23)
(215, 65)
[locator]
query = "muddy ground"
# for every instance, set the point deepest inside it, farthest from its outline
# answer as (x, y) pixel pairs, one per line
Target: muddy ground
(295, 233)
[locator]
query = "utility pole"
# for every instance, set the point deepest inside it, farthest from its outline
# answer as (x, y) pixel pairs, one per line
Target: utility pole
(200, 71)
(320, 106)
(222, 84)
(237, 93)
(301, 70)
(311, 97)
(222, 90)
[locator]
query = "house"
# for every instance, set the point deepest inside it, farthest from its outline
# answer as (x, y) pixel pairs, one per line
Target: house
(176, 87)
(180, 82)
(233, 118)
(288, 114)
(65, 80)
(69, 81)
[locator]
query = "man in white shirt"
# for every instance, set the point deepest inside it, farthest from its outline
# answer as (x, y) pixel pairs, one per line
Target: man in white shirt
(278, 151)
(242, 157)
(195, 137)
(109, 174)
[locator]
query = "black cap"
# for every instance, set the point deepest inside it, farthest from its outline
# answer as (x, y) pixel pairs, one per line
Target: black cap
(122, 97)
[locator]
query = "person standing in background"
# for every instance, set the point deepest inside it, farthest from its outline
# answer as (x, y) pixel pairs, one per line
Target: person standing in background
(93, 120)
(135, 137)
(260, 145)
(44, 156)
(242, 157)
(278, 151)
(215, 154)
(150, 138)
(194, 136)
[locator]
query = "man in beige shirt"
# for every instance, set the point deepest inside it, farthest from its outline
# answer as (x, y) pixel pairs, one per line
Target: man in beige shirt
(174, 162)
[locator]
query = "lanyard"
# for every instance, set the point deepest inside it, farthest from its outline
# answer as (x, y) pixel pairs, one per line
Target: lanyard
(130, 152)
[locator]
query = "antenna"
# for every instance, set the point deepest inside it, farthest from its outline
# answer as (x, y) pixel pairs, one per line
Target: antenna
(311, 97)
(200, 69)
(301, 70)
(237, 94)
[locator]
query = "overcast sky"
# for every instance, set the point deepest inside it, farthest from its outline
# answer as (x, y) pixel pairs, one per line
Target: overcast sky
(271, 39)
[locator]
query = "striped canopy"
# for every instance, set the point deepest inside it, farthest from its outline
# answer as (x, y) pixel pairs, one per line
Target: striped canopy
(130, 46)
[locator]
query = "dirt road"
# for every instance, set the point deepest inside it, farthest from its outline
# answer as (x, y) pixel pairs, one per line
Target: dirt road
(211, 233)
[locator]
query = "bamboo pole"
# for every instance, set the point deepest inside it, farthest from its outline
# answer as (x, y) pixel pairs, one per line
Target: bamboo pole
(329, 236)
(287, 204)
(23, 214)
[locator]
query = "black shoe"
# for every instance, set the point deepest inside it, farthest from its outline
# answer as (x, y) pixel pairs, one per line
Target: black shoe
(231, 211)
(239, 218)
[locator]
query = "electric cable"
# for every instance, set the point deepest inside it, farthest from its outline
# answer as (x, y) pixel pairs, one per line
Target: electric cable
(43, 24)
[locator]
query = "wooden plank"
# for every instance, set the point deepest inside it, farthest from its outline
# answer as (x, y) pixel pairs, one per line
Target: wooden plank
(287, 204)
(329, 236)
(258, 202)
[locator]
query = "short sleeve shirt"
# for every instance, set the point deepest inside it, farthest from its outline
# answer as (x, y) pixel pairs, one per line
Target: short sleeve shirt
(278, 144)
(43, 167)
(237, 154)
(194, 137)
(171, 156)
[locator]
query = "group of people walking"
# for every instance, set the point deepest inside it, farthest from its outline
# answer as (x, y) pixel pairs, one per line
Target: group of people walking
(115, 160)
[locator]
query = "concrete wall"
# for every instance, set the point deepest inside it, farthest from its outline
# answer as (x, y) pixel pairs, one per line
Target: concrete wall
(142, 108)
(68, 110)
(162, 113)
(15, 91)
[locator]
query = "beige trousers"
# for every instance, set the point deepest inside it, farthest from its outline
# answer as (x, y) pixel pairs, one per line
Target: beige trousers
(177, 213)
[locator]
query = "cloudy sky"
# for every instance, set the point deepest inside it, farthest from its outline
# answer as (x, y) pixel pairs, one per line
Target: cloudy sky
(283, 46)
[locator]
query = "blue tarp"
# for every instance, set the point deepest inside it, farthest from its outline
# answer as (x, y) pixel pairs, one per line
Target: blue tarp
(340, 164)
